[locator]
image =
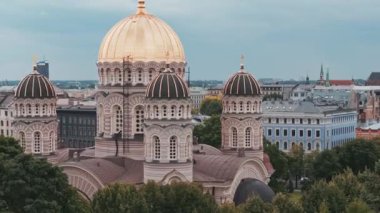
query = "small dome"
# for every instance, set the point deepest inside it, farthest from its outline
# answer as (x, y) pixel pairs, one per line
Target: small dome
(252, 187)
(242, 83)
(167, 85)
(35, 85)
(143, 37)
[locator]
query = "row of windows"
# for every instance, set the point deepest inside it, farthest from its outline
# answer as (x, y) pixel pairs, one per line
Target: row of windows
(78, 131)
(247, 137)
(241, 106)
(35, 110)
(173, 148)
(309, 133)
(77, 143)
(344, 119)
(342, 141)
(2, 123)
(5, 113)
(284, 145)
(37, 145)
(176, 112)
(78, 120)
(6, 132)
(343, 130)
(293, 120)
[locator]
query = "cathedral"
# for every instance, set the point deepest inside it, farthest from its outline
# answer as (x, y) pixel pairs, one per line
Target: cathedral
(144, 121)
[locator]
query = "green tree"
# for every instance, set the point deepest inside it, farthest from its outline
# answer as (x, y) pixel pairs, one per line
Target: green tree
(283, 204)
(359, 155)
(211, 106)
(296, 162)
(228, 208)
(29, 184)
(371, 183)
(255, 205)
(279, 161)
(118, 198)
(321, 192)
(358, 206)
(349, 184)
(325, 165)
(209, 132)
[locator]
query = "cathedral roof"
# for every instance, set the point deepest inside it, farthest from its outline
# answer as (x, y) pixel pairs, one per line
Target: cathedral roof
(167, 85)
(242, 83)
(141, 37)
(35, 85)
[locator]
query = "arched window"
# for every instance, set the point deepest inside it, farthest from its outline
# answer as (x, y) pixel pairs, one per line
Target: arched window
(248, 106)
(241, 106)
(139, 119)
(52, 109)
(248, 137)
(180, 111)
(29, 109)
(156, 111)
(151, 71)
(22, 140)
(173, 109)
(100, 119)
(120, 75)
(139, 75)
(308, 146)
(234, 137)
(22, 109)
(129, 75)
(52, 141)
(173, 148)
(37, 110)
(285, 145)
(255, 106)
(117, 121)
(44, 109)
(234, 106)
(37, 142)
(187, 146)
(108, 76)
(278, 145)
(102, 76)
(164, 111)
(157, 148)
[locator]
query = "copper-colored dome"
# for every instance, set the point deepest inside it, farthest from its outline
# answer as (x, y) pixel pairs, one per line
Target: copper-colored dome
(142, 37)
(242, 83)
(35, 85)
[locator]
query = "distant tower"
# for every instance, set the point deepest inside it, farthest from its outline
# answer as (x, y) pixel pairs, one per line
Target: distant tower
(43, 68)
(307, 79)
(321, 74)
(241, 117)
(327, 82)
(168, 130)
(35, 119)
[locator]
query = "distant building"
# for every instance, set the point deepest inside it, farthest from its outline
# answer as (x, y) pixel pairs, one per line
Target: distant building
(6, 114)
(283, 90)
(373, 79)
(197, 95)
(307, 125)
(77, 126)
(302, 92)
(368, 133)
(43, 68)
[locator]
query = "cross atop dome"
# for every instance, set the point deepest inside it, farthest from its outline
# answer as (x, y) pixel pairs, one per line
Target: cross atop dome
(242, 63)
(141, 7)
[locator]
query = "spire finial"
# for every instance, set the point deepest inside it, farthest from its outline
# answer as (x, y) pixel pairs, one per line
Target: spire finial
(141, 7)
(242, 62)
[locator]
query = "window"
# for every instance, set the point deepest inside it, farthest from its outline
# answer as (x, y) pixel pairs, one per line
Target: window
(129, 75)
(301, 133)
(317, 121)
(29, 108)
(309, 121)
(156, 111)
(293, 120)
(277, 120)
(318, 133)
(285, 146)
(139, 76)
(52, 142)
(285, 132)
(139, 119)
(269, 120)
(157, 148)
(278, 145)
(164, 111)
(37, 142)
(308, 146)
(241, 106)
(151, 74)
(309, 133)
(180, 110)
(44, 108)
(301, 121)
(248, 106)
(120, 75)
(248, 137)
(293, 133)
(187, 146)
(234, 106)
(173, 148)
(277, 132)
(269, 132)
(285, 120)
(173, 111)
(117, 119)
(22, 140)
(234, 137)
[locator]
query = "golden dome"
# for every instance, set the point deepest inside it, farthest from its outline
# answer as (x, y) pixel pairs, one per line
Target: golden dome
(142, 37)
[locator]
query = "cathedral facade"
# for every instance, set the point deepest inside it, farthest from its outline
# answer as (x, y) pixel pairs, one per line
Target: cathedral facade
(144, 130)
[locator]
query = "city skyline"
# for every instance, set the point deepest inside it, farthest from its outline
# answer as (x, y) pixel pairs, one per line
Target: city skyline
(297, 35)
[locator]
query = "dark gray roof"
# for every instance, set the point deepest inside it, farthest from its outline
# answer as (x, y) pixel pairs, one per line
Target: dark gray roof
(252, 187)
(167, 85)
(35, 85)
(5, 99)
(242, 84)
(374, 76)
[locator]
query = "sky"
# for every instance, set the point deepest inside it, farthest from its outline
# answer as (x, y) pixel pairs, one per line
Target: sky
(285, 39)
